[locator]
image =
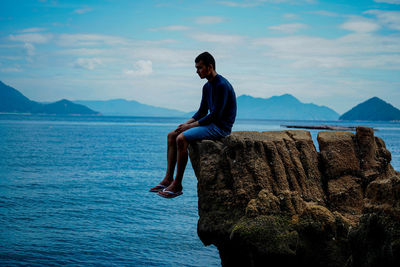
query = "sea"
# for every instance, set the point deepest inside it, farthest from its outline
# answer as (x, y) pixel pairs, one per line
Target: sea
(74, 191)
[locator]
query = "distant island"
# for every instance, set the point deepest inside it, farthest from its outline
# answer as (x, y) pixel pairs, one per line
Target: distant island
(122, 107)
(12, 101)
(284, 107)
(374, 109)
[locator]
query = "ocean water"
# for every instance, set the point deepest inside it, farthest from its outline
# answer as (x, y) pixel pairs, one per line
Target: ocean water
(74, 191)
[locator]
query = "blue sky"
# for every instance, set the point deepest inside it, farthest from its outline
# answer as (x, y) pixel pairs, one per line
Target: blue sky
(333, 53)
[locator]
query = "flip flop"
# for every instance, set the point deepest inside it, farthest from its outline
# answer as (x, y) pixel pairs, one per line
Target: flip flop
(170, 194)
(157, 188)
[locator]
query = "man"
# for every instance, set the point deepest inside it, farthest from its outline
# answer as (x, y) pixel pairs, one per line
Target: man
(213, 120)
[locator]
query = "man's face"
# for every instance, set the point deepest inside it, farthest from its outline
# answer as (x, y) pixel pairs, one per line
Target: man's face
(202, 70)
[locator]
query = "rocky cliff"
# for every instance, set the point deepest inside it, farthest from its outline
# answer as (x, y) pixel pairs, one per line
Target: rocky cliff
(270, 198)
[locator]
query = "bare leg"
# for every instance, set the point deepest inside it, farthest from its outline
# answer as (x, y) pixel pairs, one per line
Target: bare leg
(171, 159)
(182, 145)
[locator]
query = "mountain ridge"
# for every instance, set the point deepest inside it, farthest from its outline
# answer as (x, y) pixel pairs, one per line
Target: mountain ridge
(373, 109)
(283, 107)
(13, 101)
(123, 107)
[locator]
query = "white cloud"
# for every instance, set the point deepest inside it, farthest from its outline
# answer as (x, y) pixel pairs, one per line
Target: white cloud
(157, 42)
(33, 30)
(89, 40)
(218, 38)
(14, 58)
(296, 45)
(165, 57)
(30, 49)
(87, 63)
(81, 51)
(209, 20)
(396, 2)
(253, 3)
(141, 68)
(10, 70)
(390, 19)
(325, 13)
(37, 38)
(82, 10)
(171, 28)
(290, 16)
(358, 50)
(237, 4)
(288, 28)
(362, 26)
(286, 1)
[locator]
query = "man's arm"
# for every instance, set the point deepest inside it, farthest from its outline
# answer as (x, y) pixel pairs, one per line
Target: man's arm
(203, 109)
(190, 121)
(193, 122)
(220, 102)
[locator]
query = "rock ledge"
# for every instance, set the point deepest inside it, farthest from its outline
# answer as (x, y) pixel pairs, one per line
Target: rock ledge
(270, 198)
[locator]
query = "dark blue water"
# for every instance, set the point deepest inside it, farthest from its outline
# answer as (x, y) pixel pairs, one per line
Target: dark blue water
(73, 191)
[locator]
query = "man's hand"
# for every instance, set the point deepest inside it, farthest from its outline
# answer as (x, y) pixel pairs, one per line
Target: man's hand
(183, 127)
(186, 126)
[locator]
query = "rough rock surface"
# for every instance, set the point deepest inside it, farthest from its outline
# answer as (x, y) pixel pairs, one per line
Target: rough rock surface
(270, 198)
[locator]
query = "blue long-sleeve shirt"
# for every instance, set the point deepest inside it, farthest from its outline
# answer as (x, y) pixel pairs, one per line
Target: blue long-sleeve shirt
(218, 104)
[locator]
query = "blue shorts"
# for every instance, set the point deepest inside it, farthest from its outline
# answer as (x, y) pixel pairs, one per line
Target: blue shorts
(210, 132)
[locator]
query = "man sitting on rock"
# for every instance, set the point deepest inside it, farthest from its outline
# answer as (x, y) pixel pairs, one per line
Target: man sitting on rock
(213, 120)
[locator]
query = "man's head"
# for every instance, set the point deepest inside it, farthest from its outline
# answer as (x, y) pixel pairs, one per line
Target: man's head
(205, 65)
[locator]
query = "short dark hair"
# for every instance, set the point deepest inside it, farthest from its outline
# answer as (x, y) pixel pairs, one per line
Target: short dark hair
(206, 58)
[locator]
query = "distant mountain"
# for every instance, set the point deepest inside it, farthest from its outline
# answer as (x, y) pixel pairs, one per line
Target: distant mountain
(284, 107)
(12, 101)
(374, 109)
(65, 107)
(122, 107)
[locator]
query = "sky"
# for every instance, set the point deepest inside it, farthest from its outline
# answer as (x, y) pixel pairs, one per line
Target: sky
(332, 53)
